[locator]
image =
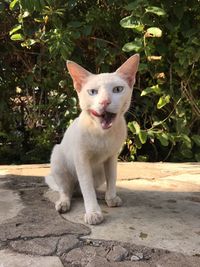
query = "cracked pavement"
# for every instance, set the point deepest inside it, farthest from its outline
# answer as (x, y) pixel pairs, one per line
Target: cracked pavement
(32, 233)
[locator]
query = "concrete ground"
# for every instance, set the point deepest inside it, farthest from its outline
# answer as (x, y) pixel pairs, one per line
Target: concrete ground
(158, 224)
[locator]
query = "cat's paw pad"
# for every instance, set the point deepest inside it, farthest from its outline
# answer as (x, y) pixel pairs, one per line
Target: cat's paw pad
(114, 202)
(95, 217)
(62, 206)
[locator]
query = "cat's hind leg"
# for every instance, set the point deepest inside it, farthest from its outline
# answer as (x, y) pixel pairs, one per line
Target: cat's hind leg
(60, 180)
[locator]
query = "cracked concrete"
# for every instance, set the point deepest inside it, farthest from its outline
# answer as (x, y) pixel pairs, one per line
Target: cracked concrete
(10, 201)
(157, 226)
(10, 204)
(167, 218)
(11, 259)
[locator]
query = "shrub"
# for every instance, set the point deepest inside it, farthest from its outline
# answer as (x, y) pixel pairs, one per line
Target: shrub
(37, 101)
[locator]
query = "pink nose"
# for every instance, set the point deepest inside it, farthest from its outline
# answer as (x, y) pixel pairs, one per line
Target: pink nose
(105, 102)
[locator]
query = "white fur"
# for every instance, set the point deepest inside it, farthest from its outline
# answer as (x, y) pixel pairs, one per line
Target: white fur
(88, 153)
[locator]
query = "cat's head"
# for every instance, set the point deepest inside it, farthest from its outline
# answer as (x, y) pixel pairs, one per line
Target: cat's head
(105, 96)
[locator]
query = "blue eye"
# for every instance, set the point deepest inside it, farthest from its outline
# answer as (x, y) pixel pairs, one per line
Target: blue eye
(118, 89)
(92, 91)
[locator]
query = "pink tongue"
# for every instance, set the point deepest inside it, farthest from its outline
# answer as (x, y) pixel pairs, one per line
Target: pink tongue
(106, 124)
(95, 113)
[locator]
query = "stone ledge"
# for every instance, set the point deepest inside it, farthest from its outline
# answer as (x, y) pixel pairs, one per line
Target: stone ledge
(126, 170)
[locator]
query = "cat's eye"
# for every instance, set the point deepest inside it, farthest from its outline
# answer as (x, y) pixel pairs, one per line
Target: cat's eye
(92, 91)
(118, 89)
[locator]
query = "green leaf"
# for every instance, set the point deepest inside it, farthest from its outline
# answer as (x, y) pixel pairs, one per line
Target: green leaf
(153, 32)
(153, 89)
(181, 125)
(25, 14)
(143, 67)
(172, 138)
(143, 136)
(17, 37)
(197, 157)
(12, 4)
(39, 20)
(25, 4)
(196, 139)
(15, 29)
(138, 144)
(75, 24)
(151, 135)
(28, 43)
(2, 134)
(131, 23)
(30, 5)
(163, 138)
(64, 52)
(142, 158)
(133, 5)
(196, 41)
(187, 153)
(133, 46)
(87, 30)
(133, 150)
(134, 127)
(131, 128)
(163, 100)
(37, 5)
(186, 141)
(155, 10)
(179, 10)
(2, 7)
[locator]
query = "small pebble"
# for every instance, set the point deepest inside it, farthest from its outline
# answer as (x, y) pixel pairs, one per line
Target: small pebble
(97, 243)
(135, 258)
(139, 255)
(118, 253)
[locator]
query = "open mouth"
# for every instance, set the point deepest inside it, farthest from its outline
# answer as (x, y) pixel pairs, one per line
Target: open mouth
(106, 118)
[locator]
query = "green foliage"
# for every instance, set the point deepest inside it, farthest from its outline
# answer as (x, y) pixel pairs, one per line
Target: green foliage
(37, 101)
(166, 101)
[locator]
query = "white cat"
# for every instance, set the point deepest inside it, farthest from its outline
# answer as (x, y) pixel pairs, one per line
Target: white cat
(88, 152)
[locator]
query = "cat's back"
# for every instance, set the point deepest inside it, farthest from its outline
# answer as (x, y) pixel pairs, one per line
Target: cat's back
(71, 133)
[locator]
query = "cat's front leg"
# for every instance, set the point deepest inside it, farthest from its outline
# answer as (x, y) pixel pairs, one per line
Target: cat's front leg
(111, 197)
(93, 213)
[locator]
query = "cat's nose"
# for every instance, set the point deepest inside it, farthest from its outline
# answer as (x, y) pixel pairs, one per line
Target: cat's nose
(105, 102)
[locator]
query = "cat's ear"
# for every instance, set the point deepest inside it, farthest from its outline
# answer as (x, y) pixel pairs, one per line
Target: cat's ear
(128, 69)
(79, 74)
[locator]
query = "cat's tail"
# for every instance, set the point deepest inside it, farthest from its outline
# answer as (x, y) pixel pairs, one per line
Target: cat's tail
(51, 182)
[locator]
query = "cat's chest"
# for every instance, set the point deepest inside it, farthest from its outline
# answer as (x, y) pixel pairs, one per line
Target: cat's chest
(102, 144)
(100, 147)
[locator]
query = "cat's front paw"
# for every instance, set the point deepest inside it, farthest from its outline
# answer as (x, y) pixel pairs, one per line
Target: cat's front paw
(62, 206)
(94, 217)
(114, 202)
